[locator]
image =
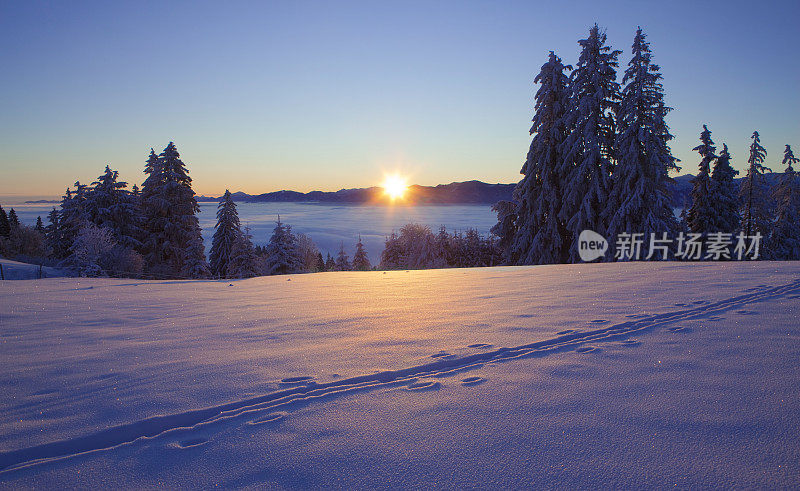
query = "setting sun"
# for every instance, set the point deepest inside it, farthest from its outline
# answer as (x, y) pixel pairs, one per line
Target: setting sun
(395, 186)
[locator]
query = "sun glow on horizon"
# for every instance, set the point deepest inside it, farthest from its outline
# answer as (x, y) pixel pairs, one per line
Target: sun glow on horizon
(395, 186)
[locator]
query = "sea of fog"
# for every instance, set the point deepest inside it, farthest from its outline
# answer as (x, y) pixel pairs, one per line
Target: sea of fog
(329, 225)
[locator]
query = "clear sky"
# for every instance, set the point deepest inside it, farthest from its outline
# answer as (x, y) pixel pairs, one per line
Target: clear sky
(261, 96)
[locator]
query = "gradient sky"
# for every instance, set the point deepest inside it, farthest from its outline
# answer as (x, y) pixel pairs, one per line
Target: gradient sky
(261, 96)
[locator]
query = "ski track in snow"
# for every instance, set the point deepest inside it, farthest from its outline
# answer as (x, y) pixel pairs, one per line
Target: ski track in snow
(192, 428)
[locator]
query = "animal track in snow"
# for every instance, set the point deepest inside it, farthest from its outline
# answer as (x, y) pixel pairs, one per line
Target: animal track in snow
(300, 391)
(470, 381)
(306, 380)
(422, 385)
(192, 442)
(270, 418)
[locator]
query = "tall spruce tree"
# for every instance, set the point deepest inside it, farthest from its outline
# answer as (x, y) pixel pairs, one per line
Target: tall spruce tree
(52, 232)
(360, 259)
(5, 226)
(13, 220)
(39, 227)
(282, 251)
(753, 192)
(169, 206)
(589, 147)
(343, 260)
(243, 261)
(724, 194)
(72, 217)
(784, 242)
(700, 217)
(539, 235)
(641, 191)
(227, 230)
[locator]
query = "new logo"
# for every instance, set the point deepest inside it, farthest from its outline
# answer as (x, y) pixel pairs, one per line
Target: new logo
(591, 245)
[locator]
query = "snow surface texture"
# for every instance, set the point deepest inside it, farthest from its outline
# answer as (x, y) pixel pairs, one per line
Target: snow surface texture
(14, 270)
(625, 374)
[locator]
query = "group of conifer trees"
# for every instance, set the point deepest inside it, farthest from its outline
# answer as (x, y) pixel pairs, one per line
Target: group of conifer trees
(600, 160)
(753, 208)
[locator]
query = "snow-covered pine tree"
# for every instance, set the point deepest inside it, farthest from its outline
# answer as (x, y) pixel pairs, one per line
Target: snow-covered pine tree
(243, 260)
(360, 259)
(109, 205)
(282, 251)
(588, 150)
(391, 256)
(13, 219)
(226, 232)
(784, 242)
(724, 194)
(753, 192)
(343, 260)
(194, 257)
(539, 235)
(39, 227)
(72, 217)
(505, 229)
(5, 226)
(53, 235)
(701, 215)
(641, 189)
(170, 210)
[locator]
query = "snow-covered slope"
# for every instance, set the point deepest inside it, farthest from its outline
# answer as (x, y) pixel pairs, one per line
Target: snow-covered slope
(584, 375)
(15, 270)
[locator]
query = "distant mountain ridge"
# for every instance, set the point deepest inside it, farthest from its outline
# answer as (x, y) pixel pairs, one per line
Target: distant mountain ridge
(468, 192)
(455, 193)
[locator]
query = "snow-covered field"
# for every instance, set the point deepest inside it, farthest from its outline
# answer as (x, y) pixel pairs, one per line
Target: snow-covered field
(593, 375)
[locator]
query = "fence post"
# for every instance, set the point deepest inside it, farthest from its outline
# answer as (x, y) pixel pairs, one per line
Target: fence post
(2, 277)
(40, 271)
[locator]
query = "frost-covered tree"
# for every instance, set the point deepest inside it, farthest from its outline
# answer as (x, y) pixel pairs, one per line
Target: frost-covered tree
(39, 227)
(784, 242)
(243, 260)
(330, 263)
(90, 245)
(641, 189)
(110, 205)
(52, 232)
(195, 264)
(701, 215)
(72, 217)
(539, 234)
(343, 260)
(227, 230)
(173, 233)
(282, 252)
(308, 252)
(588, 150)
(360, 259)
(753, 192)
(505, 229)
(13, 219)
(724, 194)
(392, 254)
(5, 226)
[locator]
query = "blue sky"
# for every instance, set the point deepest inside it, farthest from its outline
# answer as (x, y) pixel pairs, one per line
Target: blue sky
(261, 96)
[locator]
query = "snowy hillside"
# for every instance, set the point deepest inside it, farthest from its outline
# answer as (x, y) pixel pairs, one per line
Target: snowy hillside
(587, 375)
(15, 270)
